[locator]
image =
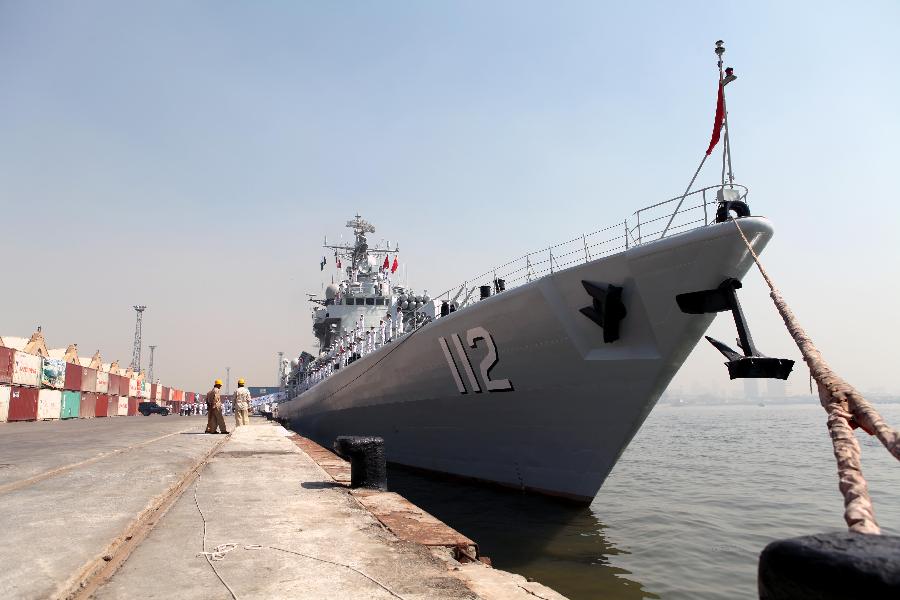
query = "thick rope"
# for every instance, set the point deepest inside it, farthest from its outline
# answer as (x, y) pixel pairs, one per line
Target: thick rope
(846, 409)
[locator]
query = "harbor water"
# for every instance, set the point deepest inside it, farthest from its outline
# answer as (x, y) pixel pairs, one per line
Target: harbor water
(691, 503)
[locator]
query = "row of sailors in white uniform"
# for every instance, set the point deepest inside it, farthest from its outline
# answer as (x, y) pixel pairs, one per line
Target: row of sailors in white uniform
(354, 345)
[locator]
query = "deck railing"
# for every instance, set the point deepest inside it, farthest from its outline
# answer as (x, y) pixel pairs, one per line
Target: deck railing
(648, 224)
(651, 223)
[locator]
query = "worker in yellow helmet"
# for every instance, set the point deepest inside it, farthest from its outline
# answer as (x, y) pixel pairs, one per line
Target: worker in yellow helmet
(214, 409)
(241, 405)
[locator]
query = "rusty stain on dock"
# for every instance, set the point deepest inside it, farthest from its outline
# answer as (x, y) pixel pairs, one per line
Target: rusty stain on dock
(400, 516)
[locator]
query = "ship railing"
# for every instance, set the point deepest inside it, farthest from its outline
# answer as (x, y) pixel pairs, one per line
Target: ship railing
(651, 223)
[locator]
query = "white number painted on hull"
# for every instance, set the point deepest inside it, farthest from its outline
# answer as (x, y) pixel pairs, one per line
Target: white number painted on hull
(487, 363)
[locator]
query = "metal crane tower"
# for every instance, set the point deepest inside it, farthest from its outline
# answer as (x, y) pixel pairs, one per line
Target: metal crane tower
(150, 368)
(136, 356)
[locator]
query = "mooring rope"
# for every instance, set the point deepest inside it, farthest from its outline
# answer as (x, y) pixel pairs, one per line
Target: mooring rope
(846, 409)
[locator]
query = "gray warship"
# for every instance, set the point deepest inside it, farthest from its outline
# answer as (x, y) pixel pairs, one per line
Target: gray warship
(537, 373)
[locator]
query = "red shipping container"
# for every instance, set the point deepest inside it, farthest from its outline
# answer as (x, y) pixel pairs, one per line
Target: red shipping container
(113, 386)
(74, 377)
(102, 405)
(152, 391)
(88, 379)
(123, 385)
(6, 364)
(88, 407)
(23, 403)
(132, 406)
(112, 406)
(179, 395)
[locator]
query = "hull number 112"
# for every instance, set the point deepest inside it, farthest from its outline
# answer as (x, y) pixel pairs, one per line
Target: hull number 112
(490, 360)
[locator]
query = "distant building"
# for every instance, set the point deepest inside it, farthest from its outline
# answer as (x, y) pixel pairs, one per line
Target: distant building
(776, 388)
(751, 389)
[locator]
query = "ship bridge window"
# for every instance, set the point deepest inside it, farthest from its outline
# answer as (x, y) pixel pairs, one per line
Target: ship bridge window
(379, 301)
(348, 301)
(370, 301)
(360, 301)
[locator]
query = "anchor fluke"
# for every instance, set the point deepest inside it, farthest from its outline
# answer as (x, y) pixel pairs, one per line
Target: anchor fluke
(752, 364)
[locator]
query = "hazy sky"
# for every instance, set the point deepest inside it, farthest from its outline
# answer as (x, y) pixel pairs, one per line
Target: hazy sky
(191, 156)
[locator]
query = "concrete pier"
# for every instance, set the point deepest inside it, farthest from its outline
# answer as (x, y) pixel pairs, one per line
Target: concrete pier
(270, 509)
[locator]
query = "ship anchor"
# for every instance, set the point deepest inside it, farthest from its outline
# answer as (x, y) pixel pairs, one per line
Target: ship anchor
(752, 364)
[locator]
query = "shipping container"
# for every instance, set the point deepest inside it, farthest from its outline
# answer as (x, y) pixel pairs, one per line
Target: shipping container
(6, 364)
(26, 369)
(112, 386)
(165, 394)
(153, 387)
(159, 391)
(102, 405)
(179, 395)
(123, 406)
(133, 406)
(4, 403)
(74, 377)
(53, 373)
(124, 386)
(71, 405)
(102, 382)
(112, 409)
(144, 390)
(133, 387)
(23, 403)
(88, 379)
(88, 407)
(49, 404)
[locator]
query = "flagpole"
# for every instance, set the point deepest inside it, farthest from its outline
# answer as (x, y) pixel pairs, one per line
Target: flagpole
(726, 147)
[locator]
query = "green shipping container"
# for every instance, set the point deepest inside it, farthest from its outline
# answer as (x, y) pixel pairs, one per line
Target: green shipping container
(71, 403)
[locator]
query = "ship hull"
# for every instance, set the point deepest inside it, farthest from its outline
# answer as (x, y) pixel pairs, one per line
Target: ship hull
(564, 404)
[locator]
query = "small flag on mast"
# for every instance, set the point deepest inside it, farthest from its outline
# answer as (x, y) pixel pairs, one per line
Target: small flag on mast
(322, 264)
(394, 266)
(386, 263)
(720, 119)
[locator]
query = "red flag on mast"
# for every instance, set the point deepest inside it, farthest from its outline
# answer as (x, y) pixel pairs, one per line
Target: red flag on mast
(386, 262)
(394, 266)
(720, 119)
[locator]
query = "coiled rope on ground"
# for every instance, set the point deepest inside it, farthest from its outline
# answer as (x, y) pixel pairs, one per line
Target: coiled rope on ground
(846, 408)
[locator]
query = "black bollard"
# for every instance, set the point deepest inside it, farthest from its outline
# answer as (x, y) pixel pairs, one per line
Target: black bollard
(368, 468)
(830, 565)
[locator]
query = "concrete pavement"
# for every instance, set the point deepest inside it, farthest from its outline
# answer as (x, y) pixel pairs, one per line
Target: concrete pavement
(291, 532)
(69, 490)
(126, 507)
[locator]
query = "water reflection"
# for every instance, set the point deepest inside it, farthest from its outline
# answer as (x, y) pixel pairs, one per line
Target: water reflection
(555, 543)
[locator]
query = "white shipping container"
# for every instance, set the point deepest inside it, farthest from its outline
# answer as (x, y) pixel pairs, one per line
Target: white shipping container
(4, 403)
(49, 404)
(123, 406)
(133, 387)
(103, 382)
(171, 397)
(26, 369)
